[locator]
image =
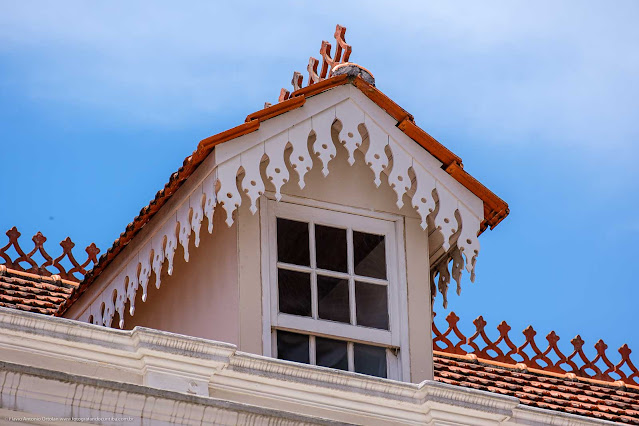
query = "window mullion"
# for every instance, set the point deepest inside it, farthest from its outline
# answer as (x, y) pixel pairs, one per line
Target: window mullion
(311, 241)
(351, 269)
(349, 251)
(350, 352)
(312, 354)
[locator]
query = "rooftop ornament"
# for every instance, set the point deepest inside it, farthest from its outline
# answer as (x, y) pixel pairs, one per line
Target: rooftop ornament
(25, 262)
(337, 64)
(529, 356)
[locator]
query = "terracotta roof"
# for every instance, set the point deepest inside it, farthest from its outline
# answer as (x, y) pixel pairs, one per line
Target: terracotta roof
(528, 355)
(30, 286)
(536, 389)
(28, 262)
(544, 378)
(548, 385)
(33, 293)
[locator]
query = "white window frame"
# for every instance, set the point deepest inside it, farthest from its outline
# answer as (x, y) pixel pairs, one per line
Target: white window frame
(318, 212)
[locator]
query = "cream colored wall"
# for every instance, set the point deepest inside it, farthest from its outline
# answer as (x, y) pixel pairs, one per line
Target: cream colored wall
(200, 298)
(250, 280)
(419, 308)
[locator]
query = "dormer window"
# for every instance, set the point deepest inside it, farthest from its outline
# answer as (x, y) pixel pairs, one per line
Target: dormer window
(334, 287)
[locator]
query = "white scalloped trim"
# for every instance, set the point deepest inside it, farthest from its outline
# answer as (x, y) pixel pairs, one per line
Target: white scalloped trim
(178, 228)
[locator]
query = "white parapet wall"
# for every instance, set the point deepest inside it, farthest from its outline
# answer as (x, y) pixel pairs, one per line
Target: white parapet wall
(57, 371)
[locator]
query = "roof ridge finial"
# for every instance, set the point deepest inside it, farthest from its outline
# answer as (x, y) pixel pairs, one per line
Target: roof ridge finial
(315, 73)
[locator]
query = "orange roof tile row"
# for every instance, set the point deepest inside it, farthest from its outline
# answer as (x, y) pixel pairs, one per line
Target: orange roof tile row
(537, 389)
(495, 209)
(33, 293)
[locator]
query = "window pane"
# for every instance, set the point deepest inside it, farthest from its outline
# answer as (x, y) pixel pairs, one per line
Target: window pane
(292, 347)
(294, 290)
(330, 246)
(331, 353)
(370, 360)
(371, 305)
(292, 242)
(332, 296)
(370, 255)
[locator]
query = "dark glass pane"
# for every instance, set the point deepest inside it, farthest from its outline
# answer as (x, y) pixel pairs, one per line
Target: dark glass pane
(294, 290)
(371, 305)
(370, 360)
(330, 249)
(292, 242)
(292, 347)
(332, 297)
(369, 252)
(331, 353)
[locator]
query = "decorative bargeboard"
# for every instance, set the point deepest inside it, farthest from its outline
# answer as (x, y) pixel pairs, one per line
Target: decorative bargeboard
(433, 199)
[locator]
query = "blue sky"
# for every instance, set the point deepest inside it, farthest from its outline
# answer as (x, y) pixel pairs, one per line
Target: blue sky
(101, 101)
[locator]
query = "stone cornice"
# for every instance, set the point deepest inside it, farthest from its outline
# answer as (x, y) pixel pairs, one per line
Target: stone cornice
(152, 360)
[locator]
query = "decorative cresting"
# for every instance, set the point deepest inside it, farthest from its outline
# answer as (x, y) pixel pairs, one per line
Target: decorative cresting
(530, 356)
(341, 56)
(25, 262)
(430, 197)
